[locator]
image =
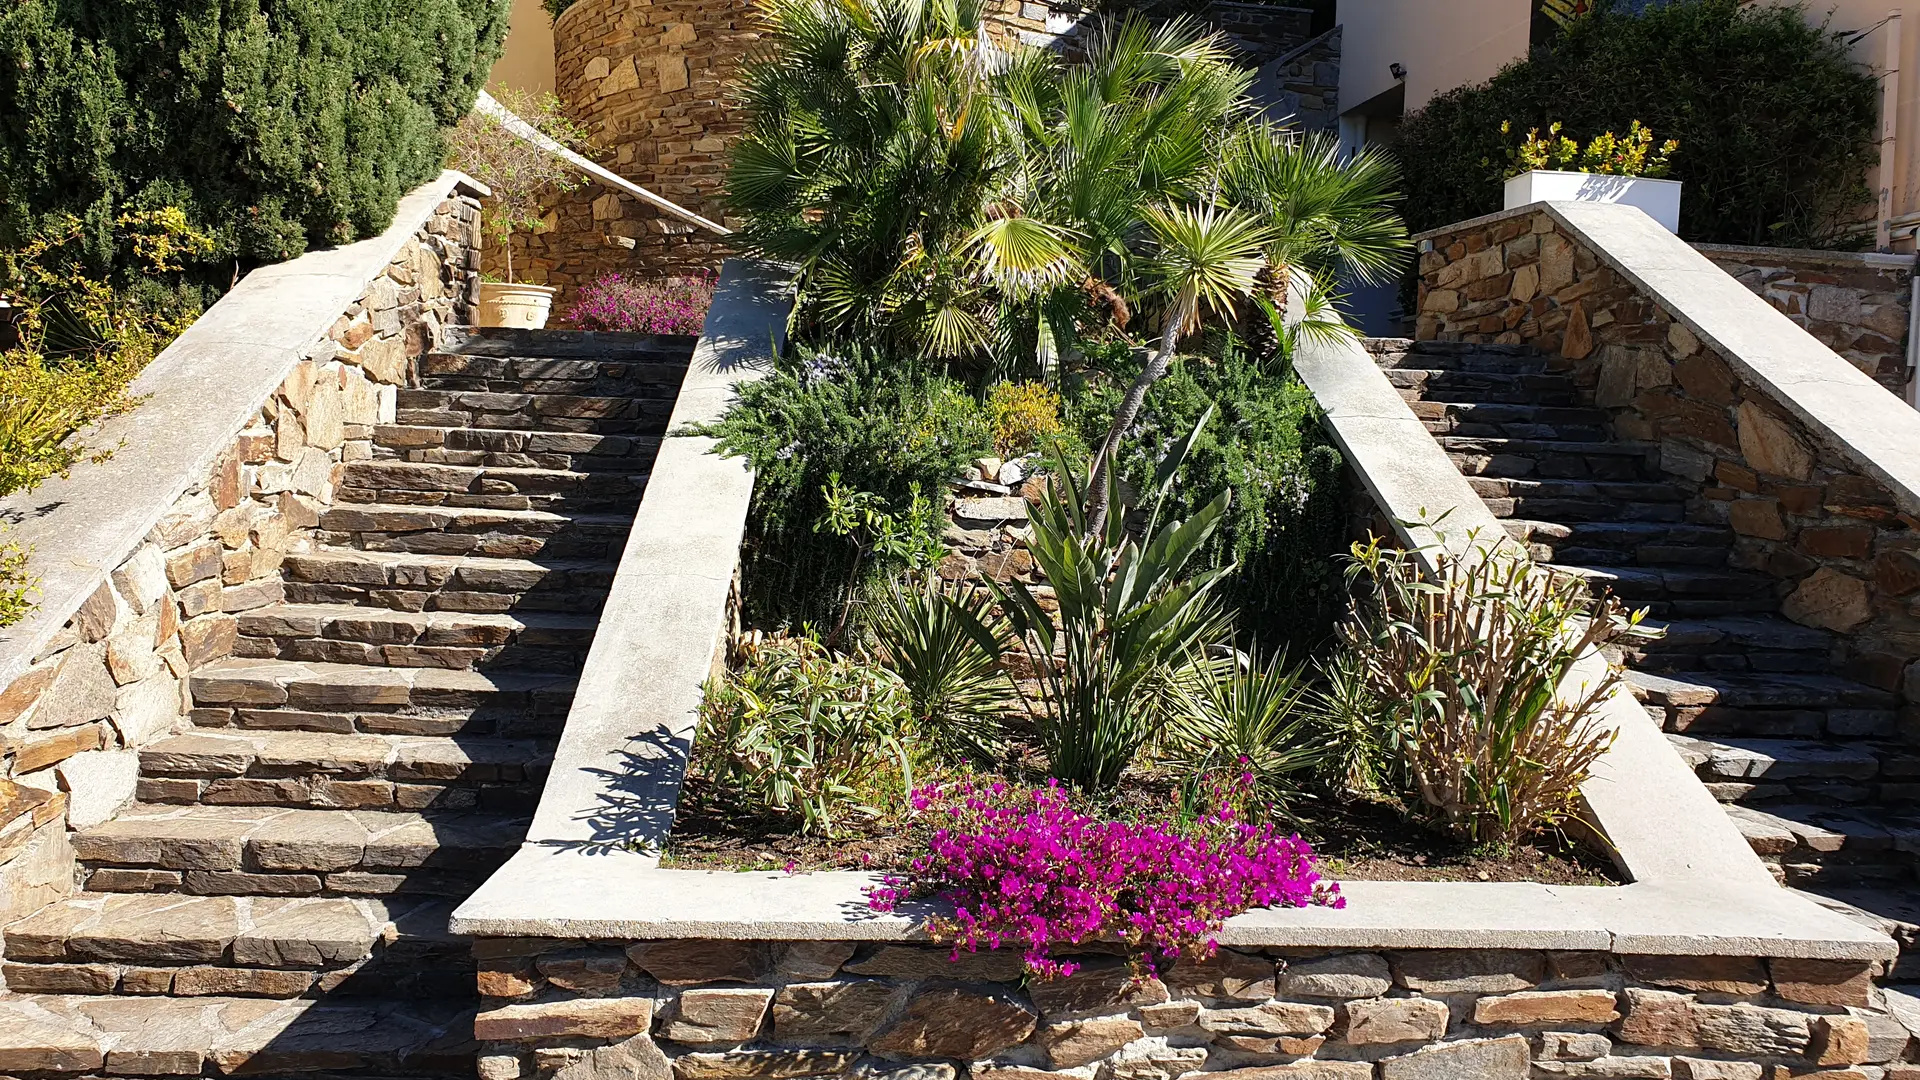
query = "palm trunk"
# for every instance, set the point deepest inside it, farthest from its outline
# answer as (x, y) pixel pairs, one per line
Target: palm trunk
(1123, 417)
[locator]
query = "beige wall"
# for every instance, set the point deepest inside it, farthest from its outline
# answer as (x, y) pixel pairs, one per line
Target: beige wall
(527, 63)
(1443, 43)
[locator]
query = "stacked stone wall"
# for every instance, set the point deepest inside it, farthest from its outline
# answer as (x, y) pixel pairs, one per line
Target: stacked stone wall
(1855, 303)
(114, 677)
(718, 1010)
(1303, 86)
(1844, 556)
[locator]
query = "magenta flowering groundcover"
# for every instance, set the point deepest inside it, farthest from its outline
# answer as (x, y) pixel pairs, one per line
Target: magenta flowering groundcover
(1023, 867)
(662, 306)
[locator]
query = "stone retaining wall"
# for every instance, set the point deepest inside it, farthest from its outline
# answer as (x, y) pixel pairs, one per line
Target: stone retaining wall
(1303, 86)
(1845, 553)
(716, 1010)
(114, 676)
(1855, 303)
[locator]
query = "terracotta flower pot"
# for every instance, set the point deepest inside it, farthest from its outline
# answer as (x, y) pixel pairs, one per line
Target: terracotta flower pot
(515, 304)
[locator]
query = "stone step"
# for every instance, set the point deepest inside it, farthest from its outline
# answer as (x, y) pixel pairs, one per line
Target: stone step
(275, 851)
(1805, 845)
(418, 581)
(345, 698)
(450, 530)
(1394, 353)
(599, 346)
(575, 452)
(1893, 910)
(1764, 643)
(1640, 584)
(412, 483)
(607, 415)
(643, 373)
(51, 1035)
(1523, 492)
(1510, 421)
(361, 772)
(249, 946)
(1551, 459)
(347, 634)
(1770, 772)
(1491, 387)
(1756, 690)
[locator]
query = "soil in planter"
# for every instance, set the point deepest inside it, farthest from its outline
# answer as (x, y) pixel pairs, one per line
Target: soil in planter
(1356, 841)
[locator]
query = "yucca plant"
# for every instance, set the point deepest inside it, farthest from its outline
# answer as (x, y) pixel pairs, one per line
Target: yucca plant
(1133, 625)
(1249, 717)
(1471, 664)
(945, 645)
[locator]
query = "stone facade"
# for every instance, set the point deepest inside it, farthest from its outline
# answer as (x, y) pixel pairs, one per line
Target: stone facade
(1261, 32)
(1856, 303)
(1843, 556)
(114, 678)
(715, 1010)
(1303, 86)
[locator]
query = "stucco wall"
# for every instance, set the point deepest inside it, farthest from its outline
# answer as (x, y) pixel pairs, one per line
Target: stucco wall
(527, 63)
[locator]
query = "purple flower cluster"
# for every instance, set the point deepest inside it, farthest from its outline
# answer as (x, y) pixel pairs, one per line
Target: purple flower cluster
(661, 306)
(1021, 866)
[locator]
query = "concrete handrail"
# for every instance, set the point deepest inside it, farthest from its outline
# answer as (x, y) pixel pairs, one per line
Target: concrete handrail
(487, 106)
(195, 397)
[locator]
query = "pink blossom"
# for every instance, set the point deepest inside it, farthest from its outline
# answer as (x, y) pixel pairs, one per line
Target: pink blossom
(660, 306)
(1022, 867)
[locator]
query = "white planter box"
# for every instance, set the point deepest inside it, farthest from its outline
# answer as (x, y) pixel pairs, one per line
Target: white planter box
(1659, 198)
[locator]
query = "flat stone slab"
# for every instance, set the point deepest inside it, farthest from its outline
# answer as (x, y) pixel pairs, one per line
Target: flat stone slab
(248, 931)
(278, 839)
(145, 1036)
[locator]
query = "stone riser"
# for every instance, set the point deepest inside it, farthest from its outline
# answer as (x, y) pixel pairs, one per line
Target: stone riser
(431, 976)
(1575, 511)
(449, 657)
(582, 602)
(612, 502)
(662, 367)
(545, 719)
(329, 793)
(593, 415)
(1483, 430)
(1558, 396)
(1661, 660)
(638, 462)
(566, 544)
(1549, 467)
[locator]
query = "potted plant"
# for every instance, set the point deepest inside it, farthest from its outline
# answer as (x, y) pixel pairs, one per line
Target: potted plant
(523, 178)
(1609, 169)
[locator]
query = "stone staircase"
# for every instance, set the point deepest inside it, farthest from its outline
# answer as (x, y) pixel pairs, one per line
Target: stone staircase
(1809, 763)
(276, 901)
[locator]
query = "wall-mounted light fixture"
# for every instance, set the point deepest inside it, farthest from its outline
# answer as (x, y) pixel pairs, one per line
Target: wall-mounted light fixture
(1397, 70)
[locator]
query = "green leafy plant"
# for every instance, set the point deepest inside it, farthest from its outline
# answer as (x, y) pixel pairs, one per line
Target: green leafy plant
(1133, 624)
(1025, 416)
(797, 731)
(1472, 667)
(1364, 748)
(17, 586)
(1777, 118)
(1632, 154)
(889, 427)
(1251, 718)
(525, 179)
(944, 642)
(863, 520)
(275, 125)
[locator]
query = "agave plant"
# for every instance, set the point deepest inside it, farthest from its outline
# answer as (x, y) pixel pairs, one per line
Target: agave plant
(1133, 625)
(1252, 717)
(945, 646)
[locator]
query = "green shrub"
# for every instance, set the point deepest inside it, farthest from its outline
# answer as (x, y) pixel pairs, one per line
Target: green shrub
(1249, 718)
(800, 732)
(1287, 525)
(1469, 666)
(1775, 121)
(276, 124)
(1134, 618)
(945, 644)
(853, 449)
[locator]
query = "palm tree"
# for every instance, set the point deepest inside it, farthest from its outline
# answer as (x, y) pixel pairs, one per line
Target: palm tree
(952, 193)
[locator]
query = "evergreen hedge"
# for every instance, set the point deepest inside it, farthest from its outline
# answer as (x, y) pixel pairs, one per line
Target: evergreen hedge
(1776, 122)
(276, 124)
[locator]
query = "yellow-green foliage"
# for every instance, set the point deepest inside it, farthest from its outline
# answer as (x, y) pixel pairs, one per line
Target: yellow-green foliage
(80, 342)
(1632, 154)
(1024, 415)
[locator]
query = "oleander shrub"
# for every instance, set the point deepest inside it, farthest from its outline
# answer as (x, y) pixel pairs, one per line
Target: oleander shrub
(799, 732)
(274, 124)
(1025, 868)
(852, 448)
(1775, 119)
(1470, 665)
(635, 305)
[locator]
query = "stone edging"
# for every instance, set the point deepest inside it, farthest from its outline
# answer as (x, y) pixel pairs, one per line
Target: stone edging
(1877, 260)
(590, 866)
(1870, 427)
(196, 396)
